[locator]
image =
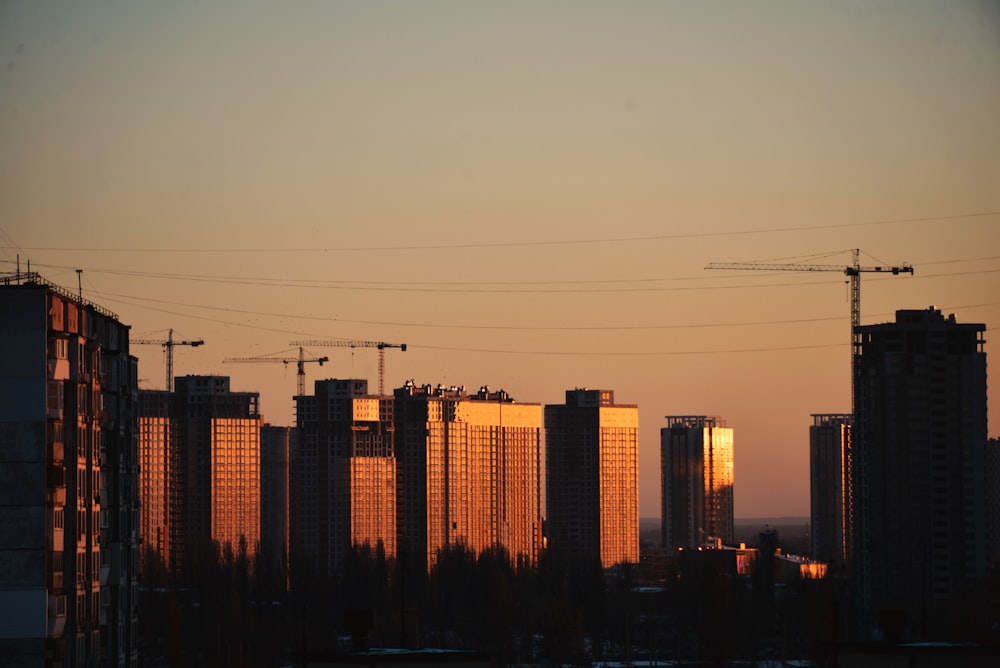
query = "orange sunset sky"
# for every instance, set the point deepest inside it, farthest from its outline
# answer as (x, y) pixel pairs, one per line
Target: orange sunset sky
(526, 194)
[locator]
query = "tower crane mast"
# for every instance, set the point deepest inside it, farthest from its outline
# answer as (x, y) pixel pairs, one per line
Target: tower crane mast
(853, 271)
(300, 365)
(168, 347)
(857, 501)
(349, 343)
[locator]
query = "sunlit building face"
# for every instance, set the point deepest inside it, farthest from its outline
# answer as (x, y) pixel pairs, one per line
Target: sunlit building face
(470, 472)
(592, 477)
(697, 461)
(235, 480)
(829, 475)
(200, 456)
(342, 476)
(154, 476)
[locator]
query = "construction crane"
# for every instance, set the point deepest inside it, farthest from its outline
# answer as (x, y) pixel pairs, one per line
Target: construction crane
(853, 271)
(348, 343)
(168, 347)
(858, 498)
(300, 363)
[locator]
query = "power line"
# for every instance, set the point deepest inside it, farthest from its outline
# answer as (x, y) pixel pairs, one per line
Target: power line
(561, 328)
(388, 323)
(453, 287)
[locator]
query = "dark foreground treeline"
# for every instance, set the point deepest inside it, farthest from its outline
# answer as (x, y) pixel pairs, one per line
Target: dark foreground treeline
(233, 608)
(239, 607)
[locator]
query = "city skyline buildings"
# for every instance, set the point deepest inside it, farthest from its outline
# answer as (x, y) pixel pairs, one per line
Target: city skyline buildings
(526, 196)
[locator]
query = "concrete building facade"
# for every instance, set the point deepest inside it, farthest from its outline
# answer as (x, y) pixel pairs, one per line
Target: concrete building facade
(468, 472)
(830, 499)
(202, 443)
(69, 531)
(697, 474)
(591, 468)
(276, 446)
(919, 478)
(343, 476)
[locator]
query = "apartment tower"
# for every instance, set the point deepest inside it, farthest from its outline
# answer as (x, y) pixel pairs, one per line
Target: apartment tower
(343, 476)
(468, 472)
(591, 467)
(697, 475)
(69, 535)
(202, 445)
(829, 475)
(919, 478)
(276, 444)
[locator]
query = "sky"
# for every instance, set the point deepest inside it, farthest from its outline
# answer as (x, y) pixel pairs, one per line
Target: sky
(526, 194)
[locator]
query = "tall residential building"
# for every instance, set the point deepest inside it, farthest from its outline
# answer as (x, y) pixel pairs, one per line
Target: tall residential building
(697, 475)
(276, 445)
(343, 476)
(155, 425)
(919, 478)
(993, 500)
(202, 443)
(830, 507)
(468, 472)
(592, 477)
(69, 534)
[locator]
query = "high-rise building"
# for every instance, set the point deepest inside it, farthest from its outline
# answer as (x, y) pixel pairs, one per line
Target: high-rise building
(343, 476)
(830, 507)
(919, 479)
(69, 532)
(468, 472)
(276, 444)
(202, 444)
(592, 477)
(993, 501)
(155, 434)
(697, 476)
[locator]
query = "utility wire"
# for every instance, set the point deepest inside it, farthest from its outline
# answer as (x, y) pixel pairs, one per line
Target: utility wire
(452, 286)
(560, 353)
(523, 287)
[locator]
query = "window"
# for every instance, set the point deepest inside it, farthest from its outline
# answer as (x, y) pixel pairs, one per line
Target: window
(54, 398)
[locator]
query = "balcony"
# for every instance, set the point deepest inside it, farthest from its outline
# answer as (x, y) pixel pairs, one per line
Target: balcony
(57, 496)
(57, 616)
